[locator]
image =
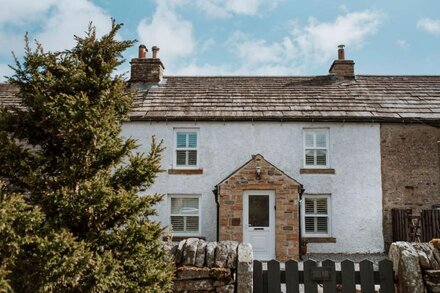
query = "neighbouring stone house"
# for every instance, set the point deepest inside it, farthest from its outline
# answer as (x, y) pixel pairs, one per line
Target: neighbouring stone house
(271, 160)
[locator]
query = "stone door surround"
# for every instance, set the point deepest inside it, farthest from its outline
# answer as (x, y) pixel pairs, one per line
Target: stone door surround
(230, 198)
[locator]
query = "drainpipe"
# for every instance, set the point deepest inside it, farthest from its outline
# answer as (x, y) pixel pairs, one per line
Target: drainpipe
(216, 191)
(301, 192)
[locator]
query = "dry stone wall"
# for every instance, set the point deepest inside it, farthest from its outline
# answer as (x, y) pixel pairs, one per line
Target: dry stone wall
(223, 267)
(417, 266)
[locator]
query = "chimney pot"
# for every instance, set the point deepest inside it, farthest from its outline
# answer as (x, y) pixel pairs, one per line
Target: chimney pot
(142, 53)
(155, 49)
(341, 52)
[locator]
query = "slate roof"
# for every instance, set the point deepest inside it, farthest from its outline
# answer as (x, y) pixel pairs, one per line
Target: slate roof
(314, 98)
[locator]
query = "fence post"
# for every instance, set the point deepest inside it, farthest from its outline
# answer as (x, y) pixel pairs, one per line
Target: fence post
(292, 277)
(258, 277)
(309, 285)
(386, 276)
(367, 276)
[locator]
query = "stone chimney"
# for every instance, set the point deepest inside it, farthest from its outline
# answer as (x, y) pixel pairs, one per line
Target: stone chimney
(146, 71)
(341, 68)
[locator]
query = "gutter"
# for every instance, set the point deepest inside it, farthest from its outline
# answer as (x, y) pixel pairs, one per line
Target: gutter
(354, 119)
(301, 192)
(216, 192)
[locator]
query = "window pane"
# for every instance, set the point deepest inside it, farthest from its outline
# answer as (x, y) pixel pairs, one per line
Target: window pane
(185, 206)
(310, 158)
(309, 224)
(181, 140)
(309, 206)
(321, 157)
(181, 158)
(192, 140)
(321, 139)
(259, 210)
(309, 139)
(192, 224)
(322, 224)
(192, 158)
(178, 223)
(321, 206)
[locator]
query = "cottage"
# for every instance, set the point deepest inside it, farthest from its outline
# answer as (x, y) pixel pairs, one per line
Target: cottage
(272, 160)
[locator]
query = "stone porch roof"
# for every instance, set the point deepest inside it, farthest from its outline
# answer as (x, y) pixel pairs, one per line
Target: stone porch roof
(367, 98)
(259, 158)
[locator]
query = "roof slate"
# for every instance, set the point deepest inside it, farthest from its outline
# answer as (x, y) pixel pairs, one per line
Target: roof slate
(313, 98)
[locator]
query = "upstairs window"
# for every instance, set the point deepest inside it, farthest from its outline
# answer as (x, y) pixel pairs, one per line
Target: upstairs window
(316, 152)
(186, 151)
(316, 215)
(185, 215)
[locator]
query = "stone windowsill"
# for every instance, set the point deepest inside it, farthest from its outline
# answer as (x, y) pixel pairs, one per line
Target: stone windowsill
(316, 171)
(320, 239)
(180, 238)
(185, 171)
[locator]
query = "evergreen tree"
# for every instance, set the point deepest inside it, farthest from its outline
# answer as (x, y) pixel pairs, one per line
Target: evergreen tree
(71, 219)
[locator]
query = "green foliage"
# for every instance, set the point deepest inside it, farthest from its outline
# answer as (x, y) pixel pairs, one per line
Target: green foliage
(71, 219)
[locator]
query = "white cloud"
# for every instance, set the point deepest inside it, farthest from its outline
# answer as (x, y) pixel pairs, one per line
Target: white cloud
(168, 30)
(53, 22)
(19, 12)
(305, 46)
(226, 8)
(68, 18)
(429, 25)
(403, 44)
(302, 47)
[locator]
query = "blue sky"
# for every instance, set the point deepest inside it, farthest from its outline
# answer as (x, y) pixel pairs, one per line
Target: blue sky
(242, 37)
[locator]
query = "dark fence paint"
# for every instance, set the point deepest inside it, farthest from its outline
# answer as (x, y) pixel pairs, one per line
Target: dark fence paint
(270, 280)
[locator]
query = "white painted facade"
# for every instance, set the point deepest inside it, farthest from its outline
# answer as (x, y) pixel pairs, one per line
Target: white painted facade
(354, 153)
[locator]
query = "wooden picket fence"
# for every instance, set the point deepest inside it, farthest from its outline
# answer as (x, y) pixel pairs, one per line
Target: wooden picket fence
(269, 280)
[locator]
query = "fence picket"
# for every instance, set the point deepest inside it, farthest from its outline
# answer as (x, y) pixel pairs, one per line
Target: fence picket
(348, 277)
(274, 276)
(330, 286)
(292, 277)
(367, 276)
(309, 285)
(258, 277)
(386, 275)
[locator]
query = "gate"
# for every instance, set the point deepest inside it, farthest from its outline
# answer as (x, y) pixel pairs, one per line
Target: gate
(413, 228)
(430, 222)
(269, 280)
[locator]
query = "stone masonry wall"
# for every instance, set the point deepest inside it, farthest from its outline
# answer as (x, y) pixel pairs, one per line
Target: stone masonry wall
(416, 266)
(286, 201)
(223, 267)
(410, 170)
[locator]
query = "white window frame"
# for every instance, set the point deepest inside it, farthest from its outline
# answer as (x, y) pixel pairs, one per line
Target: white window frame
(329, 216)
(175, 148)
(327, 148)
(179, 233)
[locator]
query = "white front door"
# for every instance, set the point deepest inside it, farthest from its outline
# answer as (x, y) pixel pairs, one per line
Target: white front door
(259, 222)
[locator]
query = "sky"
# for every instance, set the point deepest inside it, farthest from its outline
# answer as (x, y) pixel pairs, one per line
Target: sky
(241, 37)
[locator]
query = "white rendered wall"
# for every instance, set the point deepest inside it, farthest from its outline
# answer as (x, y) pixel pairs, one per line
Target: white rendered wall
(356, 192)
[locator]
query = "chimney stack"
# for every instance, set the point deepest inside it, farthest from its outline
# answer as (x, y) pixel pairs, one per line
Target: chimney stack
(341, 68)
(146, 72)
